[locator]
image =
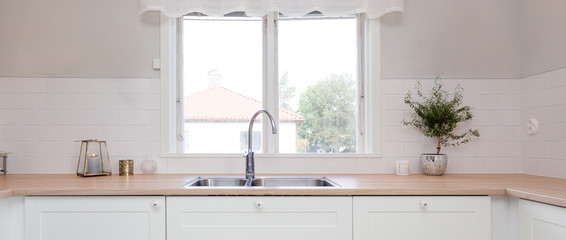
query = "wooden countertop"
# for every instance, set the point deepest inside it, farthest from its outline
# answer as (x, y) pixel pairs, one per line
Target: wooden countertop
(537, 188)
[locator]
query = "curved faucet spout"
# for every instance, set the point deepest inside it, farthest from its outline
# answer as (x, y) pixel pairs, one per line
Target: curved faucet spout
(250, 169)
(273, 125)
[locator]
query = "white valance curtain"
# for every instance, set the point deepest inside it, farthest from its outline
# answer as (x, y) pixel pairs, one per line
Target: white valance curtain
(258, 8)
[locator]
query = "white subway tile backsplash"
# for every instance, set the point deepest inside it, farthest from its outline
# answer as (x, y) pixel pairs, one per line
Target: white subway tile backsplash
(119, 133)
(134, 117)
(50, 113)
(18, 101)
(147, 101)
(310, 166)
(393, 118)
(69, 85)
(542, 98)
(53, 133)
(38, 149)
(69, 116)
(57, 164)
(155, 86)
(465, 165)
(85, 101)
(393, 149)
(147, 133)
(558, 78)
(135, 85)
(373, 165)
(102, 85)
(53, 101)
(102, 117)
(84, 132)
(181, 165)
(20, 133)
(265, 166)
(19, 164)
(67, 149)
(480, 86)
(340, 165)
(118, 101)
(501, 165)
(36, 85)
(221, 165)
(392, 87)
(36, 117)
(508, 86)
(10, 85)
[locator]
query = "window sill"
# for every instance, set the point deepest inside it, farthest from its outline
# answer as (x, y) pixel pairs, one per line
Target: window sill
(270, 155)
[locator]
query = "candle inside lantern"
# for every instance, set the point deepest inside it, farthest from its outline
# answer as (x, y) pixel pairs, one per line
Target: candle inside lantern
(93, 163)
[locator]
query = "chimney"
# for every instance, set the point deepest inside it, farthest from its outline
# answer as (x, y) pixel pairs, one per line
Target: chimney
(214, 78)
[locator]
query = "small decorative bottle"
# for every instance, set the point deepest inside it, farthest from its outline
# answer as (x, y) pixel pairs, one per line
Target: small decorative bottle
(149, 166)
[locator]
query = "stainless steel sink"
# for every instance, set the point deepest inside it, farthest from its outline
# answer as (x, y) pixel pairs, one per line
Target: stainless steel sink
(216, 182)
(261, 182)
(293, 182)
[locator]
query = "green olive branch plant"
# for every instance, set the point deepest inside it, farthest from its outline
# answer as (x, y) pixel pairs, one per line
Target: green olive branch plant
(437, 115)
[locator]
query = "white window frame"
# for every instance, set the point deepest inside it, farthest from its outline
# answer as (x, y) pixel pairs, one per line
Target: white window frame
(369, 120)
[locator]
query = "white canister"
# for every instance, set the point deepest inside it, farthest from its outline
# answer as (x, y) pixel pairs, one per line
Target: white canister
(403, 167)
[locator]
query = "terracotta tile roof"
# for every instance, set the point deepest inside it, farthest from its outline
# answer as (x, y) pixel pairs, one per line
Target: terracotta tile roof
(222, 104)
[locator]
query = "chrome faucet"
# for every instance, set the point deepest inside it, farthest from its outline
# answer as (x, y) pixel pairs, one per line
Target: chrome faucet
(249, 155)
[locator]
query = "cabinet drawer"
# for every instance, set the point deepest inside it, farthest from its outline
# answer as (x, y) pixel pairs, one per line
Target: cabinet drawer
(538, 221)
(422, 217)
(90, 218)
(427, 204)
(259, 218)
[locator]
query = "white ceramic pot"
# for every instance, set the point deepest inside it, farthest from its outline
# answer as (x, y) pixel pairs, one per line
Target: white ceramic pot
(434, 164)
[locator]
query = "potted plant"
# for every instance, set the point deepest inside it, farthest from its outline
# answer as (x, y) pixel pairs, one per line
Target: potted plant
(436, 116)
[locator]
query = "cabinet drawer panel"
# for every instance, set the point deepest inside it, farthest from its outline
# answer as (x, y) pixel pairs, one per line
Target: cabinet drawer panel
(428, 204)
(441, 218)
(87, 218)
(539, 221)
(259, 218)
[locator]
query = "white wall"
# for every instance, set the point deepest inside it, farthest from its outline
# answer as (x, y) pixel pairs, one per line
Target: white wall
(456, 39)
(543, 35)
(543, 89)
(43, 111)
(543, 98)
(68, 38)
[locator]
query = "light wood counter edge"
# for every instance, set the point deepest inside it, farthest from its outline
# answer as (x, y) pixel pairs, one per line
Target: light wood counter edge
(230, 191)
(6, 193)
(537, 188)
(561, 202)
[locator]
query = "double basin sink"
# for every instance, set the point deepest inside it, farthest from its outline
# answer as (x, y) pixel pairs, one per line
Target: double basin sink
(261, 182)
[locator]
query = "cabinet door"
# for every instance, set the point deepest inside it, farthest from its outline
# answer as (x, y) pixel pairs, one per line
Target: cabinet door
(262, 218)
(438, 218)
(539, 221)
(90, 218)
(12, 218)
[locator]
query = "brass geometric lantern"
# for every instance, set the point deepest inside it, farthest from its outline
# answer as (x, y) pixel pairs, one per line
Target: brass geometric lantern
(94, 159)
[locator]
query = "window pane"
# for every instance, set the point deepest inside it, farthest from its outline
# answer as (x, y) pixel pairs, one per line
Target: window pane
(317, 84)
(222, 74)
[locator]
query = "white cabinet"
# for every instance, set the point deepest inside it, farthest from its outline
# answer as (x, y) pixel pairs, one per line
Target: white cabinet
(423, 217)
(262, 218)
(12, 218)
(539, 221)
(90, 218)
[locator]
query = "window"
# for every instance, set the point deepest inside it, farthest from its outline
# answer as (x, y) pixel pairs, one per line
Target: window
(317, 83)
(312, 73)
